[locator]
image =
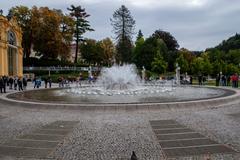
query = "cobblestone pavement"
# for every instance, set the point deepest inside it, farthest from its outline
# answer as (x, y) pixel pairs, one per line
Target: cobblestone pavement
(113, 135)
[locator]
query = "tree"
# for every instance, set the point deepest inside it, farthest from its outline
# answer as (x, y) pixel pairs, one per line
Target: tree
(159, 65)
(67, 25)
(108, 49)
(47, 38)
(183, 63)
(219, 66)
(169, 40)
(91, 51)
(66, 28)
(148, 51)
(23, 16)
(184, 60)
(207, 66)
(123, 27)
(201, 65)
(230, 44)
(188, 55)
(197, 65)
(231, 69)
(124, 51)
(41, 31)
(139, 35)
(233, 56)
(81, 24)
(138, 49)
(172, 46)
(216, 55)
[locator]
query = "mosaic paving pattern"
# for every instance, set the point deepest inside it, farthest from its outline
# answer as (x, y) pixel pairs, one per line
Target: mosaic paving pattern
(178, 140)
(40, 143)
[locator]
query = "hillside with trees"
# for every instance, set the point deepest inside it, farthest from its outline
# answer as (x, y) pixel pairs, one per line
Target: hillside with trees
(50, 33)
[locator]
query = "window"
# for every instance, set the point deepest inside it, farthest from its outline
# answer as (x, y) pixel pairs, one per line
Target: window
(11, 38)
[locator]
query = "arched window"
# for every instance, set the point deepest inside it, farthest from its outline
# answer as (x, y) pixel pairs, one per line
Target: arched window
(12, 38)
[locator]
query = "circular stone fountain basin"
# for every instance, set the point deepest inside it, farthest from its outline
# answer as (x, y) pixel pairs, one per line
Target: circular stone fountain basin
(87, 95)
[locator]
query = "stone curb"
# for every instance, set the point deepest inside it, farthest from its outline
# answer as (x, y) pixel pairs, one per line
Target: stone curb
(205, 103)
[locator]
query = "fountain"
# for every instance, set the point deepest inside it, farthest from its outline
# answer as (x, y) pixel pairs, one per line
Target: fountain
(119, 78)
(122, 86)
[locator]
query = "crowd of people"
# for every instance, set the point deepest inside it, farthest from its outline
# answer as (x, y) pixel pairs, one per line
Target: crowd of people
(65, 82)
(20, 82)
(38, 82)
(223, 80)
(12, 82)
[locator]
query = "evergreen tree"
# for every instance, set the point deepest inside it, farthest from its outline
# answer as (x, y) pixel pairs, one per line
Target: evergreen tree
(123, 27)
(82, 25)
(140, 35)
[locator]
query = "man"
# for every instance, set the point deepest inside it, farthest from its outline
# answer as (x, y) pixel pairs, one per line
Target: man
(15, 82)
(49, 80)
(24, 80)
(5, 79)
(10, 81)
(1, 84)
(20, 84)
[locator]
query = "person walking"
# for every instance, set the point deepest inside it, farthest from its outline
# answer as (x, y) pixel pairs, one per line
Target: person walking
(228, 80)
(34, 82)
(45, 81)
(24, 83)
(15, 82)
(1, 84)
(234, 79)
(190, 80)
(217, 79)
(20, 84)
(38, 82)
(10, 81)
(5, 79)
(224, 80)
(237, 78)
(49, 80)
(60, 82)
(200, 79)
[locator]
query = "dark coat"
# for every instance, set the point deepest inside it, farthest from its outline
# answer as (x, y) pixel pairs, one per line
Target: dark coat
(1, 82)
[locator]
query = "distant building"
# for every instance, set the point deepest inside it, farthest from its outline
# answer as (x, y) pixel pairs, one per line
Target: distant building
(11, 52)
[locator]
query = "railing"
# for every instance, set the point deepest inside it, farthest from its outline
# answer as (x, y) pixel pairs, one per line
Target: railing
(67, 68)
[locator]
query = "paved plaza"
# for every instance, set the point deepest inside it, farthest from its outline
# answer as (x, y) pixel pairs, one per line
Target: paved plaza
(178, 140)
(154, 134)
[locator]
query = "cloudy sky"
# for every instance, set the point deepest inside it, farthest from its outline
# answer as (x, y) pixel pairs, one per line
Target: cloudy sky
(196, 24)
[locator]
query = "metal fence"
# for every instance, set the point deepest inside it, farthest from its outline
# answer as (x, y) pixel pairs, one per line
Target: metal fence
(67, 68)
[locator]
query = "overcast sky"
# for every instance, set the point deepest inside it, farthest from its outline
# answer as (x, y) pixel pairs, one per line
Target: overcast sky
(196, 24)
